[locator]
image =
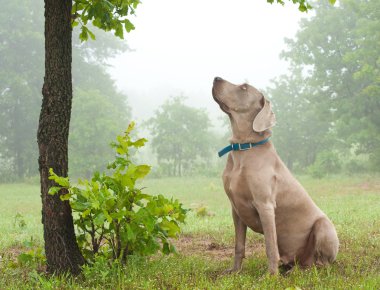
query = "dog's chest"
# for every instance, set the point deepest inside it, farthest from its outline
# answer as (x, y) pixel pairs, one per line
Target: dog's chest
(241, 198)
(236, 179)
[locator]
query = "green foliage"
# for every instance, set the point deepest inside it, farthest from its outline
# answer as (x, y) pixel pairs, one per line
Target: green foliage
(327, 162)
(353, 167)
(19, 221)
(331, 95)
(102, 270)
(113, 217)
(181, 134)
(33, 257)
(199, 266)
(96, 101)
(203, 211)
(303, 5)
(95, 119)
(108, 15)
(21, 49)
(300, 133)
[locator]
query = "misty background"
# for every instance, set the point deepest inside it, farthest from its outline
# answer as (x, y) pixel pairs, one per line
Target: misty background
(320, 70)
(178, 47)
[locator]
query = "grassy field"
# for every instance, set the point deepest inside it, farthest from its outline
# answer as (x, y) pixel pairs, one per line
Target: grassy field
(206, 245)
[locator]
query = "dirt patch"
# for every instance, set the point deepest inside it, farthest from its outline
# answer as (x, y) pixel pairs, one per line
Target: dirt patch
(365, 186)
(189, 245)
(370, 186)
(13, 252)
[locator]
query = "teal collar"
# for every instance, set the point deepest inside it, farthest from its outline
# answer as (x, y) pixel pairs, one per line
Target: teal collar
(241, 146)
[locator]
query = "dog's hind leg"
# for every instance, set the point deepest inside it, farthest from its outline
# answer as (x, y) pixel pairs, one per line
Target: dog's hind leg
(322, 245)
(326, 241)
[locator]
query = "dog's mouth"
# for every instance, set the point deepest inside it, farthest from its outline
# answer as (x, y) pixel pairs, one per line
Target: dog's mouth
(222, 105)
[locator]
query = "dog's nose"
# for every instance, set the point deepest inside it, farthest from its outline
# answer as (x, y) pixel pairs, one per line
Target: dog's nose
(217, 79)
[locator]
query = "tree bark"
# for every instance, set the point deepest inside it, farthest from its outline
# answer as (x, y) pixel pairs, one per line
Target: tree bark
(61, 249)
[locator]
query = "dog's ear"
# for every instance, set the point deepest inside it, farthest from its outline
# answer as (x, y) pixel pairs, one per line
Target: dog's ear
(265, 119)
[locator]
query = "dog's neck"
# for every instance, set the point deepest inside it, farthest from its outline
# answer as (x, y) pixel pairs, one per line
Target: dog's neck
(242, 131)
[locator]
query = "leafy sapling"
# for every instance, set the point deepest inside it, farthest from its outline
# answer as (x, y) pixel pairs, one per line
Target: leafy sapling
(113, 217)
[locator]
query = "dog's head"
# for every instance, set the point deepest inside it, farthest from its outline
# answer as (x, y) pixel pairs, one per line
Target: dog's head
(238, 100)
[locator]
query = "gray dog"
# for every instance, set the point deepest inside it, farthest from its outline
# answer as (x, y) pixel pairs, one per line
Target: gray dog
(263, 193)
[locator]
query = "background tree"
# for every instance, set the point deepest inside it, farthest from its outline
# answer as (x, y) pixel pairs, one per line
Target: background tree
(335, 71)
(96, 120)
(21, 63)
(20, 84)
(300, 134)
(180, 134)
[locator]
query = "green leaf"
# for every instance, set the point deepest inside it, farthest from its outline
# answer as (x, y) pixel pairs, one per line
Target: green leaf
(25, 258)
(95, 204)
(86, 213)
(107, 215)
(128, 25)
(119, 30)
(66, 196)
(79, 206)
(120, 151)
(302, 7)
(124, 237)
(139, 143)
(131, 126)
(130, 233)
(99, 219)
(54, 190)
(110, 203)
(92, 35)
(109, 5)
(62, 181)
(118, 215)
(142, 171)
(135, 3)
(126, 180)
(83, 36)
(166, 248)
(171, 227)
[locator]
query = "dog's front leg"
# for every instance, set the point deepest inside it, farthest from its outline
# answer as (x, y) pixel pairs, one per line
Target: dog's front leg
(240, 234)
(267, 217)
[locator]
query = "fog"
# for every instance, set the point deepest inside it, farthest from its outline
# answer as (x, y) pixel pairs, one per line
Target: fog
(179, 46)
(326, 102)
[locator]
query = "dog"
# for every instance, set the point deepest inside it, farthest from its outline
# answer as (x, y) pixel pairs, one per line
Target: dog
(263, 193)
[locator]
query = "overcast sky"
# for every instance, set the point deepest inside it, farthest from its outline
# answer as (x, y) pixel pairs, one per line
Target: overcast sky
(179, 46)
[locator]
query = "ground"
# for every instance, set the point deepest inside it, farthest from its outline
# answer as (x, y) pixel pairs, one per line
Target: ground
(205, 248)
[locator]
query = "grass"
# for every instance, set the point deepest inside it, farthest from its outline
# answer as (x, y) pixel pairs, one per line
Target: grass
(206, 245)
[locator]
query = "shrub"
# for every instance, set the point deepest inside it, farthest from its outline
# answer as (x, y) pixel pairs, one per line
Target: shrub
(113, 217)
(326, 162)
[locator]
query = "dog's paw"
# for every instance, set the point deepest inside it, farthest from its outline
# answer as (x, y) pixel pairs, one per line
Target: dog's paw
(273, 270)
(233, 270)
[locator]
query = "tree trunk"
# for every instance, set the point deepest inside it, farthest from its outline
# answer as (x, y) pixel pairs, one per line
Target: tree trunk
(180, 167)
(61, 249)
